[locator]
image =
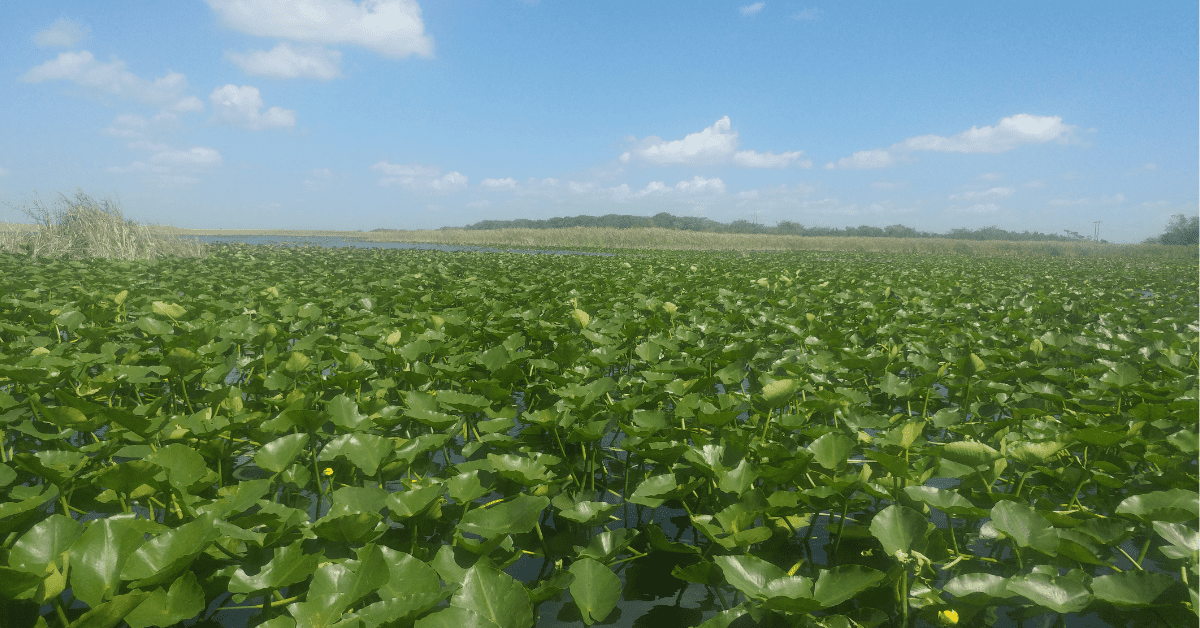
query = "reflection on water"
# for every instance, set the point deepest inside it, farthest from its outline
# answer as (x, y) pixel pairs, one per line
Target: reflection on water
(336, 242)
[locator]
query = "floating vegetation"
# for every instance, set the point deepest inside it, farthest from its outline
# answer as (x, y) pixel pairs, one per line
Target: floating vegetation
(301, 437)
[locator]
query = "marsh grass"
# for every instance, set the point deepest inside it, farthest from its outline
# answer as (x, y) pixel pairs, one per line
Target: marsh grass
(673, 239)
(80, 227)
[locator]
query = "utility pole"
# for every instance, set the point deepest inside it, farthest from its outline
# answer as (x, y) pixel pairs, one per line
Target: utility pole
(1096, 238)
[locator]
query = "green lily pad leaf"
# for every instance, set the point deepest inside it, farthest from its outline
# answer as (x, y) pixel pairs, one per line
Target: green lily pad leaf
(970, 453)
(1185, 542)
(832, 450)
(456, 617)
(19, 584)
(468, 486)
(7, 475)
(780, 391)
(44, 543)
(1175, 505)
(793, 594)
(406, 574)
(356, 527)
(606, 545)
(1025, 526)
(277, 455)
(336, 586)
(972, 365)
(524, 470)
(945, 500)
(496, 596)
(365, 451)
(183, 464)
(171, 310)
(739, 479)
(1057, 593)
(653, 491)
(596, 589)
(587, 512)
(978, 588)
(412, 503)
(164, 557)
(749, 574)
(1131, 588)
(155, 327)
(183, 601)
(1121, 375)
(98, 556)
(1097, 435)
(1034, 453)
(432, 418)
(400, 608)
(288, 566)
(843, 582)
(900, 529)
(110, 613)
(516, 516)
(344, 413)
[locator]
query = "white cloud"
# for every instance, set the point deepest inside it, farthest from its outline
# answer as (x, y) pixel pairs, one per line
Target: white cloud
(981, 208)
(889, 185)
(500, 184)
(753, 9)
(990, 176)
(128, 126)
(392, 28)
(807, 15)
(1008, 134)
(63, 33)
(170, 166)
(979, 195)
(752, 159)
(450, 181)
(1115, 199)
(3, 172)
(865, 159)
(716, 144)
(318, 179)
(113, 79)
(481, 204)
(241, 106)
(1150, 166)
(418, 177)
(286, 61)
(700, 184)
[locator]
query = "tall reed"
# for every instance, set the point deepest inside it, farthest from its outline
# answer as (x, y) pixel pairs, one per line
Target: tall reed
(80, 227)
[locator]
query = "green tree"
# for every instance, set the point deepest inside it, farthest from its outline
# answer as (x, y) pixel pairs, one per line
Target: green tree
(1181, 230)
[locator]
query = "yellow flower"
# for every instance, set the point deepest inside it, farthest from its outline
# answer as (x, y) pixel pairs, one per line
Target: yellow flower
(328, 470)
(948, 617)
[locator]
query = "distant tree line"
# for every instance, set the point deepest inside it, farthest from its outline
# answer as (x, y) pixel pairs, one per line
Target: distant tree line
(1181, 230)
(696, 223)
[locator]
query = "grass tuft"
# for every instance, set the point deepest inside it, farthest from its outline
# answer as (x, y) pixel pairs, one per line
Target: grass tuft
(81, 227)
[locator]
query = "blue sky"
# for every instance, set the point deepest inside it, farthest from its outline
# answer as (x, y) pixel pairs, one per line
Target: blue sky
(334, 114)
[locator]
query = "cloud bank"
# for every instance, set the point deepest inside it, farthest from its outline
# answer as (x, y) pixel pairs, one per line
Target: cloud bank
(1010, 133)
(714, 145)
(392, 28)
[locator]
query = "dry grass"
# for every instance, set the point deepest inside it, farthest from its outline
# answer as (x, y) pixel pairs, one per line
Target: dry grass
(82, 227)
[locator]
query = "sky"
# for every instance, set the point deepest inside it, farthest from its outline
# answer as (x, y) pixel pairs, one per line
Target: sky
(335, 114)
